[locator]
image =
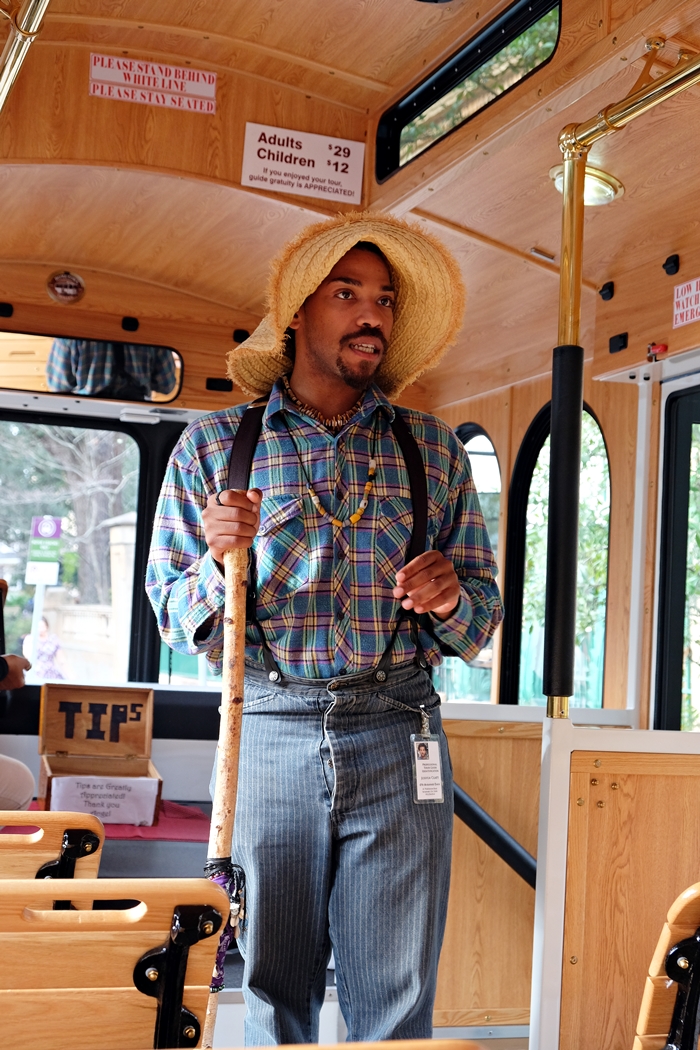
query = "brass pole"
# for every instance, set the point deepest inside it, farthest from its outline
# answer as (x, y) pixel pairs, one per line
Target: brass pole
(571, 270)
(25, 24)
(567, 373)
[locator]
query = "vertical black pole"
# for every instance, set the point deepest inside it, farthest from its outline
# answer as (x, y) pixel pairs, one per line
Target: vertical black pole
(562, 533)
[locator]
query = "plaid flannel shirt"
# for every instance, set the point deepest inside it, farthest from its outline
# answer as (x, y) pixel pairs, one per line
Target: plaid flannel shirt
(324, 596)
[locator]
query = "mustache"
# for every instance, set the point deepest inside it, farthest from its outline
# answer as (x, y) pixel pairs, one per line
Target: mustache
(363, 333)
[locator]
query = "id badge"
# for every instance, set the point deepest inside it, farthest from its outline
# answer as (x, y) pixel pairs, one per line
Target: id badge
(427, 769)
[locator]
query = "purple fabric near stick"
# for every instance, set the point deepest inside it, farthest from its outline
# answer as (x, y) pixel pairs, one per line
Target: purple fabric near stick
(232, 880)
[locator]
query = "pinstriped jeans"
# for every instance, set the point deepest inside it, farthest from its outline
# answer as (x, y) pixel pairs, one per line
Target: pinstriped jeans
(337, 854)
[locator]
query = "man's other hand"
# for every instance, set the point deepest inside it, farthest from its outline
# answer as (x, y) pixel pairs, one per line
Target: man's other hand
(429, 583)
(232, 522)
(16, 666)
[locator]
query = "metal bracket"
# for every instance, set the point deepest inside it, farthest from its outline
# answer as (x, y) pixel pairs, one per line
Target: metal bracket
(161, 972)
(653, 45)
(77, 843)
(683, 967)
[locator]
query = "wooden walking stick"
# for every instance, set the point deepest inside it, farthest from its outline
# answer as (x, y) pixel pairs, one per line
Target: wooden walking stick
(219, 867)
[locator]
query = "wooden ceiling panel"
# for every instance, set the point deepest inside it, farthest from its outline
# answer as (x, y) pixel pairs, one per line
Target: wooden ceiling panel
(375, 46)
(511, 198)
(510, 324)
(210, 241)
(50, 116)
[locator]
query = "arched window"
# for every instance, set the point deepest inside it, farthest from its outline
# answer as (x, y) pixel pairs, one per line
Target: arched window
(455, 679)
(523, 649)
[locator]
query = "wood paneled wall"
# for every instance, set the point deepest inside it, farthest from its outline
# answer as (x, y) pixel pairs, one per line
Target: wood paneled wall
(486, 961)
(202, 332)
(618, 890)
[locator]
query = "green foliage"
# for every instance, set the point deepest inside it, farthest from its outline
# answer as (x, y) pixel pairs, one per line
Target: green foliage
(690, 702)
(520, 57)
(79, 475)
(592, 575)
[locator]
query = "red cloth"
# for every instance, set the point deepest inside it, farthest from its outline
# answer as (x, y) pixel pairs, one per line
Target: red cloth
(176, 823)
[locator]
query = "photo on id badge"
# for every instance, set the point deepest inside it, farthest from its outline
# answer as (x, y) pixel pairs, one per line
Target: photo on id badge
(427, 769)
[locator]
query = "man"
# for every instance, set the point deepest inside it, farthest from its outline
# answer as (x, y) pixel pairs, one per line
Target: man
(16, 779)
(339, 845)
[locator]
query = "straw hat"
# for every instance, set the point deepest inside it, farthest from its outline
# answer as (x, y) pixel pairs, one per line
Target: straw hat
(429, 299)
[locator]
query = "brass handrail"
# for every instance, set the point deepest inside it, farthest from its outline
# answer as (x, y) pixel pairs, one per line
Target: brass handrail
(575, 141)
(25, 23)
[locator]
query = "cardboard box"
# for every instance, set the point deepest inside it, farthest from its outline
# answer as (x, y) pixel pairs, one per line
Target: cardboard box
(95, 747)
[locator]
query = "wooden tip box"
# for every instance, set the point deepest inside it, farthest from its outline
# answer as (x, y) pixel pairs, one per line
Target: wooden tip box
(95, 747)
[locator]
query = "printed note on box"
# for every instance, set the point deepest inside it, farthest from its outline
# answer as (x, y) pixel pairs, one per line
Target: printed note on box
(131, 800)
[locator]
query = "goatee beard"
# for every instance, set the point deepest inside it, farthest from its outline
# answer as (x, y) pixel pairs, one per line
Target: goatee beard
(355, 380)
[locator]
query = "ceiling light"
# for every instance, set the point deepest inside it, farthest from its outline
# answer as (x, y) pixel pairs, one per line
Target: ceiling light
(600, 187)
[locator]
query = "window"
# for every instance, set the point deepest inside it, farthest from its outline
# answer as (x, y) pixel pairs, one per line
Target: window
(454, 679)
(512, 47)
(525, 577)
(678, 642)
(594, 523)
(68, 501)
(183, 669)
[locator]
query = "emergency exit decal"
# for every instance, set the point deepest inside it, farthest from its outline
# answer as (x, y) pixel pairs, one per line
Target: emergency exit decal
(300, 162)
(153, 83)
(686, 303)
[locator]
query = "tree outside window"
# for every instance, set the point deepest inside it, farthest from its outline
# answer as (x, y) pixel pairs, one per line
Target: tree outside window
(592, 575)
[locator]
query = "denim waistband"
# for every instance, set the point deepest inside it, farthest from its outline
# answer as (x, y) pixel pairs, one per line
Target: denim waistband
(342, 683)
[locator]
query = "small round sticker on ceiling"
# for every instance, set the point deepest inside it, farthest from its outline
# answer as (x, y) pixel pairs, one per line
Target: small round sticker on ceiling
(65, 287)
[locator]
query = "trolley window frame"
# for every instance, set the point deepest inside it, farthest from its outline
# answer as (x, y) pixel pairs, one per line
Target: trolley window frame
(155, 443)
(495, 37)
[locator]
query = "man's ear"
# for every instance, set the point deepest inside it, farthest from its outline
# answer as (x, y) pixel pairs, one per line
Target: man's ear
(296, 320)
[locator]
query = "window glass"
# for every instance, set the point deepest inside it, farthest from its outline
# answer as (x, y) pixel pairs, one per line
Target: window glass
(89, 367)
(690, 700)
(68, 499)
(511, 64)
(592, 578)
(181, 669)
(454, 679)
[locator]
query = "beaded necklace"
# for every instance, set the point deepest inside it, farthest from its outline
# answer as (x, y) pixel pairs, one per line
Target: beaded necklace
(362, 506)
(334, 423)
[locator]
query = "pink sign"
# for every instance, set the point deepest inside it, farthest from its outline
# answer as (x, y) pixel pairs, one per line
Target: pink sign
(153, 83)
(46, 528)
(686, 303)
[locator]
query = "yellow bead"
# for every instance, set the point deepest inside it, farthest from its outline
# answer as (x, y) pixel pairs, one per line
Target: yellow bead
(336, 522)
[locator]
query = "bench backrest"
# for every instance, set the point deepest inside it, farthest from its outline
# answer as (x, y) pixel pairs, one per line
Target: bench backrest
(660, 992)
(70, 842)
(78, 979)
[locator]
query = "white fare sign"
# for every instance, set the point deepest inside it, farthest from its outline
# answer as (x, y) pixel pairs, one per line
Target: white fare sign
(686, 303)
(153, 83)
(300, 162)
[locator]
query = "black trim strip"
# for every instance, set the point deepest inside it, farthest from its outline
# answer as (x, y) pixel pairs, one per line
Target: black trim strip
(682, 410)
(516, 534)
(495, 836)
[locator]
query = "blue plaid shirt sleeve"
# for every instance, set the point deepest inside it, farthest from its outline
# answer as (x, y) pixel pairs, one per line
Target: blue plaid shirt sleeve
(184, 583)
(60, 376)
